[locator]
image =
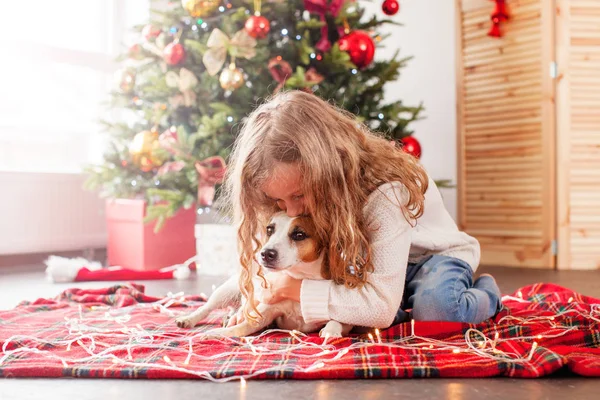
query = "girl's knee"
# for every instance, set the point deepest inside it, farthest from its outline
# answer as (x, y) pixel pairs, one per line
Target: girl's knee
(470, 306)
(436, 305)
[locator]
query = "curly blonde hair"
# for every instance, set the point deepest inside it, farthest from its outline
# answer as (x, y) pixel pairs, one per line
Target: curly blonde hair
(341, 161)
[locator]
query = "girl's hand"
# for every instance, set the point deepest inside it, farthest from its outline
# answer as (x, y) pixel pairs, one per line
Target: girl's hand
(281, 287)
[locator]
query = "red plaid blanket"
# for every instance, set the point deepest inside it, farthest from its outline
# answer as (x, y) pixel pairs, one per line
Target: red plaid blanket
(119, 332)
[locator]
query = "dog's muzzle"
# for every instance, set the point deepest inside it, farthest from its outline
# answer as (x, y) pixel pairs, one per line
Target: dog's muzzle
(269, 257)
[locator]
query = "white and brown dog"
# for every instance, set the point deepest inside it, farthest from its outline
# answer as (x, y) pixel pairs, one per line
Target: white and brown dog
(292, 248)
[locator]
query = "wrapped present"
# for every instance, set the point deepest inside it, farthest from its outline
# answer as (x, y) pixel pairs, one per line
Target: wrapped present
(133, 244)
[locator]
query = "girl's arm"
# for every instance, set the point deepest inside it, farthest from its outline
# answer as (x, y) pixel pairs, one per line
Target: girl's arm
(377, 302)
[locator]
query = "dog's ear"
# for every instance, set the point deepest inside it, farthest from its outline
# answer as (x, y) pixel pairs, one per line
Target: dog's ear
(334, 266)
(325, 270)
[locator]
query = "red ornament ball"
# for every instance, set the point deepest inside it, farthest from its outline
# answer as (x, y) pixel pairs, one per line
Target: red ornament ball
(390, 7)
(257, 26)
(360, 47)
(150, 32)
(174, 53)
(411, 146)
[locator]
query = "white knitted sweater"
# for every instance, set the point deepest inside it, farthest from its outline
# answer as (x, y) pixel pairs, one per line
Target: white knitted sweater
(394, 243)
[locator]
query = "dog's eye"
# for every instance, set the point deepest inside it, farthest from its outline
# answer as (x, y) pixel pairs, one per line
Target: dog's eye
(270, 230)
(298, 236)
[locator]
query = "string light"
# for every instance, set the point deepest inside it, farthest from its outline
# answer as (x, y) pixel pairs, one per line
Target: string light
(90, 328)
(318, 365)
(354, 71)
(284, 31)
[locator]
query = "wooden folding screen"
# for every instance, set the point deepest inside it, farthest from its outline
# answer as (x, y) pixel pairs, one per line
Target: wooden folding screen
(506, 132)
(578, 133)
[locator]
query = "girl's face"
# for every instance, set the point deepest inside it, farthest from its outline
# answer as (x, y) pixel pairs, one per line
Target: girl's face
(284, 186)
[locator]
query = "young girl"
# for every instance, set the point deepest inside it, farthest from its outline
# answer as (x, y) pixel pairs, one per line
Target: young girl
(393, 246)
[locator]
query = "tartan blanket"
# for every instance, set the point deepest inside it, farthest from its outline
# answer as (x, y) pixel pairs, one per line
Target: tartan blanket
(120, 332)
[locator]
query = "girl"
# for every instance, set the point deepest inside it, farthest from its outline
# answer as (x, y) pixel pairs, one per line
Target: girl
(393, 246)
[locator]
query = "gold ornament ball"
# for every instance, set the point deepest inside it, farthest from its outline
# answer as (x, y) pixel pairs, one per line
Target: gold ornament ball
(142, 150)
(200, 8)
(231, 78)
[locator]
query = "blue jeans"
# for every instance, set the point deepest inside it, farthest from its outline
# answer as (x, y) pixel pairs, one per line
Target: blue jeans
(441, 288)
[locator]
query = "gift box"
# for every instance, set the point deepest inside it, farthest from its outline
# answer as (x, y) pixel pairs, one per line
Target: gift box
(133, 244)
(216, 244)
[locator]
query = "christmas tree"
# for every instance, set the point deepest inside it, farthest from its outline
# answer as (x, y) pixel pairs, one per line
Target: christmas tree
(201, 66)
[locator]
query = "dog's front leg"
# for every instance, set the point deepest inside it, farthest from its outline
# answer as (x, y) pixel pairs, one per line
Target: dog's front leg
(269, 313)
(225, 295)
(334, 329)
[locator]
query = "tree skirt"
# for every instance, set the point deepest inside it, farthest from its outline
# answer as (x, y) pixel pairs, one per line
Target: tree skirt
(120, 332)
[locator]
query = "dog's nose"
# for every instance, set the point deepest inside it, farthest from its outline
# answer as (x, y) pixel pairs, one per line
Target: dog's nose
(269, 255)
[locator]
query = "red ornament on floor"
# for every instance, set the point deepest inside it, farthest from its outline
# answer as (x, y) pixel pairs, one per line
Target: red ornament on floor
(257, 26)
(390, 7)
(360, 47)
(174, 53)
(411, 146)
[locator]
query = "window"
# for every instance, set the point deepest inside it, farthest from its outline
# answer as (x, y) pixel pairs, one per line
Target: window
(56, 72)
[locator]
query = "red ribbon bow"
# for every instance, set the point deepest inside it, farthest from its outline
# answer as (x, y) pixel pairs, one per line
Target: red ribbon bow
(499, 15)
(210, 173)
(322, 8)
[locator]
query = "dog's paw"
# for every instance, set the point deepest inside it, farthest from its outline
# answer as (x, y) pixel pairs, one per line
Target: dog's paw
(185, 322)
(330, 333)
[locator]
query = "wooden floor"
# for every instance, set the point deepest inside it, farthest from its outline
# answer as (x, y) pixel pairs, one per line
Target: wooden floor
(28, 283)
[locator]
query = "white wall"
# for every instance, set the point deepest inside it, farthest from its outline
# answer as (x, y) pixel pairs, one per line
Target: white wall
(48, 213)
(427, 35)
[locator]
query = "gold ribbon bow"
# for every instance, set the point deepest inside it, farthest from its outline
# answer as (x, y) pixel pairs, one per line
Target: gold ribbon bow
(241, 45)
(185, 82)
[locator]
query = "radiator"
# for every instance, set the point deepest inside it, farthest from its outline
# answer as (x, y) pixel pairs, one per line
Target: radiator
(48, 212)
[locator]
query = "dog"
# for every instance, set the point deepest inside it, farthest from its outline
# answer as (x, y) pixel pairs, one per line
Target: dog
(294, 248)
